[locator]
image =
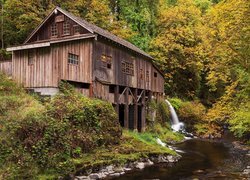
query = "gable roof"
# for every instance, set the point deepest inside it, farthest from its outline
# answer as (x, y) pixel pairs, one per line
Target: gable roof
(95, 30)
(92, 29)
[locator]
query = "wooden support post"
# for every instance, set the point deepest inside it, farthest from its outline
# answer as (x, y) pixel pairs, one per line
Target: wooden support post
(150, 94)
(126, 109)
(117, 100)
(143, 113)
(135, 109)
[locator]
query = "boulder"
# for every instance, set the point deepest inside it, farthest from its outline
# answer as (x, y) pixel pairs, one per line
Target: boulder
(115, 175)
(140, 165)
(94, 176)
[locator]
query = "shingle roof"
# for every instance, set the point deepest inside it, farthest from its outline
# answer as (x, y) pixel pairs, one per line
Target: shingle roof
(95, 29)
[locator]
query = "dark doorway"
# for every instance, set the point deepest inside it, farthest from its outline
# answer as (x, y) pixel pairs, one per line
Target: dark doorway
(131, 117)
(139, 124)
(121, 114)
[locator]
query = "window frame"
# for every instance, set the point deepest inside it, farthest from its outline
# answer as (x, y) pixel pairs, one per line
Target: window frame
(73, 59)
(106, 61)
(155, 74)
(54, 30)
(66, 26)
(128, 68)
(76, 27)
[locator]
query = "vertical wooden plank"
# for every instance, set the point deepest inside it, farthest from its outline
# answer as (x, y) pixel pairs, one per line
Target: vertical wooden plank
(126, 110)
(116, 99)
(143, 113)
(135, 92)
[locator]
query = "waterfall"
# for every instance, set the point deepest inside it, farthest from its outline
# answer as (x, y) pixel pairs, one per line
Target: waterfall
(176, 124)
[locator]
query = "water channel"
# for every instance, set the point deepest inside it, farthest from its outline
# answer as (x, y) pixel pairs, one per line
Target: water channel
(201, 159)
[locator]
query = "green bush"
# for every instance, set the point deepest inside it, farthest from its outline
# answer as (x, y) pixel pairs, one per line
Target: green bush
(240, 122)
(192, 111)
(36, 138)
(162, 113)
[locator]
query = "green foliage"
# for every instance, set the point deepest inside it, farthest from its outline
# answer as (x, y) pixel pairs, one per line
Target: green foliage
(36, 137)
(165, 133)
(177, 48)
(176, 103)
(149, 141)
(162, 113)
(240, 121)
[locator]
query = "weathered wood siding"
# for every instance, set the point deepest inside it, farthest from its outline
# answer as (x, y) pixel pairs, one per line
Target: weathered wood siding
(78, 73)
(42, 73)
(157, 82)
(51, 65)
(6, 67)
(44, 33)
(115, 75)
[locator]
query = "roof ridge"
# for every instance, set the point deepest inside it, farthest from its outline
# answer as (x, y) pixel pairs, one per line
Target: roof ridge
(105, 33)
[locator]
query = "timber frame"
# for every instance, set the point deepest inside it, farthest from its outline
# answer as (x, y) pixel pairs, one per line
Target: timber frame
(106, 66)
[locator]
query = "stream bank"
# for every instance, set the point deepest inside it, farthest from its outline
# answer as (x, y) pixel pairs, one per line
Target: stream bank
(201, 159)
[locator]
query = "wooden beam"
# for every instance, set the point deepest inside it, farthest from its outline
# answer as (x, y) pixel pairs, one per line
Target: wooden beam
(143, 113)
(30, 46)
(139, 97)
(135, 109)
(126, 110)
(117, 99)
(123, 93)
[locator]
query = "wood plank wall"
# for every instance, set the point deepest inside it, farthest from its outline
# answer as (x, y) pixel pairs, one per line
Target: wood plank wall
(115, 74)
(44, 33)
(78, 73)
(51, 65)
(6, 67)
(42, 73)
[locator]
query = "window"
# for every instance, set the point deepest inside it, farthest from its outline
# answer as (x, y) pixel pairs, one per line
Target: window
(128, 68)
(31, 58)
(106, 61)
(147, 76)
(76, 29)
(73, 59)
(155, 74)
(53, 30)
(66, 28)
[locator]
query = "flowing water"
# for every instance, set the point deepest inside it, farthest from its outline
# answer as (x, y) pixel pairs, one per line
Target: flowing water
(201, 159)
(176, 124)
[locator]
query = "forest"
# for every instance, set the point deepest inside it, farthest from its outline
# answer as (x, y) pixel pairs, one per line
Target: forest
(202, 46)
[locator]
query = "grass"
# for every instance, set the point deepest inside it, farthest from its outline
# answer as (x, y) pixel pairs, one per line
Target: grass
(133, 147)
(165, 133)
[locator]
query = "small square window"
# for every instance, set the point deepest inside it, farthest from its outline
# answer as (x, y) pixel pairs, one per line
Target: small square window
(155, 74)
(73, 59)
(77, 29)
(54, 30)
(106, 61)
(128, 68)
(66, 28)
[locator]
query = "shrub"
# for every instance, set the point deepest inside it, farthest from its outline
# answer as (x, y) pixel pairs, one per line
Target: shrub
(240, 121)
(192, 111)
(162, 113)
(36, 137)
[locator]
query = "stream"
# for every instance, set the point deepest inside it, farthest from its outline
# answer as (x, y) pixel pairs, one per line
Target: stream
(201, 159)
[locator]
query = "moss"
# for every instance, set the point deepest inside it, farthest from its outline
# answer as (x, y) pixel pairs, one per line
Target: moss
(133, 147)
(66, 134)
